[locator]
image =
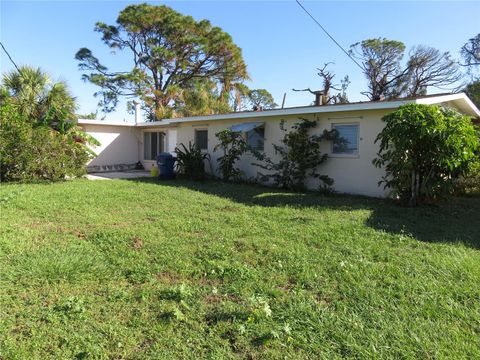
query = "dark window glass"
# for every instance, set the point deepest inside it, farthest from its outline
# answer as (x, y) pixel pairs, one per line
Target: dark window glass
(201, 139)
(256, 138)
(153, 144)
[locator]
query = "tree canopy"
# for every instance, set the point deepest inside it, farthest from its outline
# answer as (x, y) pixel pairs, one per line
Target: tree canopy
(381, 65)
(473, 92)
(175, 60)
(429, 67)
(34, 95)
(471, 52)
(388, 78)
(261, 99)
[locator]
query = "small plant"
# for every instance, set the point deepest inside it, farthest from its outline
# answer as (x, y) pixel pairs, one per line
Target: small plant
(71, 307)
(300, 157)
(191, 161)
(233, 146)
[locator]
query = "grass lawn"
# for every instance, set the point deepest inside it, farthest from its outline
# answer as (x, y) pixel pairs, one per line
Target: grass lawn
(140, 269)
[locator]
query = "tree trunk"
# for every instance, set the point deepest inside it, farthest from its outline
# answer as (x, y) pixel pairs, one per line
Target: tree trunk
(414, 189)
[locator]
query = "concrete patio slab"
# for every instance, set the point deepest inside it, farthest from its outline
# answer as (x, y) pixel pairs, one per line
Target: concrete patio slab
(118, 175)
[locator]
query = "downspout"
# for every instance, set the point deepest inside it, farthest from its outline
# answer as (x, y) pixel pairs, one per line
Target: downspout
(136, 104)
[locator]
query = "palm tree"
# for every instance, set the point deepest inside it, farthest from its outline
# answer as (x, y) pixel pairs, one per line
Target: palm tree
(44, 102)
(34, 94)
(27, 88)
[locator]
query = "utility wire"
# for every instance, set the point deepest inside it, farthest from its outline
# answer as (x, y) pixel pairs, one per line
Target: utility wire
(328, 34)
(6, 52)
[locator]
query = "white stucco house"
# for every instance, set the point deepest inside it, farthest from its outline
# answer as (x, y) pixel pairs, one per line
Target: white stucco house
(124, 144)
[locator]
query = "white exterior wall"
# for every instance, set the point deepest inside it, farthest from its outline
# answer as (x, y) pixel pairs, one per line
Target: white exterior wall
(118, 144)
(353, 174)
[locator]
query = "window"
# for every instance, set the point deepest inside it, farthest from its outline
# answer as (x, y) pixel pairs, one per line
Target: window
(201, 139)
(254, 133)
(348, 139)
(153, 144)
(256, 138)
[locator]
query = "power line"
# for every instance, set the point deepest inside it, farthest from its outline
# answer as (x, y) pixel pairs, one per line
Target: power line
(6, 52)
(328, 34)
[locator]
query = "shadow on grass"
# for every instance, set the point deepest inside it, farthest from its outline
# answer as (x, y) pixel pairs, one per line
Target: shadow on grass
(454, 221)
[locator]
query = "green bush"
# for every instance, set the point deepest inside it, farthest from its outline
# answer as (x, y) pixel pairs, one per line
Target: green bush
(300, 157)
(39, 136)
(191, 162)
(30, 153)
(470, 182)
(233, 146)
(426, 150)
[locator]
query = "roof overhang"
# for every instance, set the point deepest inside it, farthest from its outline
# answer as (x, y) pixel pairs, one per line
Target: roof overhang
(104, 123)
(306, 110)
(459, 101)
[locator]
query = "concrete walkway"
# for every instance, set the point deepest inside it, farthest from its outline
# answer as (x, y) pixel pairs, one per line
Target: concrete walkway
(133, 174)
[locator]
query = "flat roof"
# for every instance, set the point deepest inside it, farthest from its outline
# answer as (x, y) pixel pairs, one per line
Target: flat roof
(459, 100)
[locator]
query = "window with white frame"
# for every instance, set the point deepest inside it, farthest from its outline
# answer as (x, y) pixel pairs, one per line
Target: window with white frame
(153, 144)
(347, 141)
(201, 139)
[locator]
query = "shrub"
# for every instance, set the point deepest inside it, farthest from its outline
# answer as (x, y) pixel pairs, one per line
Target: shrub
(191, 161)
(425, 150)
(469, 183)
(233, 146)
(300, 157)
(40, 139)
(29, 153)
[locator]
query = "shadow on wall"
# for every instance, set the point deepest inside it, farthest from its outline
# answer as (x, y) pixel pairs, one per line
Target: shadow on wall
(117, 148)
(455, 221)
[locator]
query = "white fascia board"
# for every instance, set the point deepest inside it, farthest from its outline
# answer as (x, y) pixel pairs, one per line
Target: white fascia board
(468, 105)
(440, 98)
(295, 111)
(283, 112)
(102, 122)
(379, 105)
(471, 105)
(159, 124)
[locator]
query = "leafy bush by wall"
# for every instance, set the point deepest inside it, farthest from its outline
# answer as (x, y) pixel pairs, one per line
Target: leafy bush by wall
(29, 152)
(469, 183)
(233, 145)
(300, 157)
(425, 150)
(191, 162)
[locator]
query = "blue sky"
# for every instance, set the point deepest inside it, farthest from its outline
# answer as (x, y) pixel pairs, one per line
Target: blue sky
(281, 45)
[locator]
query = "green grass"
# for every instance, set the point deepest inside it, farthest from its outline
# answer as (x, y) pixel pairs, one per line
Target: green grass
(137, 269)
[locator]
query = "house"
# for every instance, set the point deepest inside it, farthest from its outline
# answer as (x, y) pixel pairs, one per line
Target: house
(124, 144)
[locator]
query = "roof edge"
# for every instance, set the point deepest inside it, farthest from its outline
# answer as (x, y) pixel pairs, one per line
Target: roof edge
(103, 122)
(285, 112)
(461, 100)
(469, 106)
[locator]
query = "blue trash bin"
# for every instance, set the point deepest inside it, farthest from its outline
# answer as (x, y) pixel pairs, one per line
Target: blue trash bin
(165, 162)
